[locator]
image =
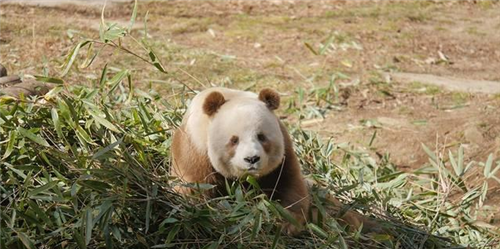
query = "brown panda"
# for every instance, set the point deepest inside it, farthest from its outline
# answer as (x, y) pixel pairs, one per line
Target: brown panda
(228, 134)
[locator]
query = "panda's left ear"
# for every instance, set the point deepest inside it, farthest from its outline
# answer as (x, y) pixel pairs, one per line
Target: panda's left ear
(270, 97)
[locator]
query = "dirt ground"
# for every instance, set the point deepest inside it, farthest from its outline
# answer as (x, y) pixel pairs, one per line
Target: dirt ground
(252, 44)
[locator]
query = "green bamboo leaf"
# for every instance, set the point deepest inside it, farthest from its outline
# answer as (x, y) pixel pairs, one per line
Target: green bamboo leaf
(116, 233)
(173, 233)
(103, 210)
(454, 164)
(317, 230)
(88, 226)
(394, 183)
(145, 27)
(148, 212)
(159, 67)
(168, 221)
(107, 149)
(117, 79)
(95, 185)
(257, 226)
(40, 213)
(321, 210)
(495, 170)
(27, 242)
(57, 124)
(286, 214)
(103, 121)
(72, 57)
(113, 32)
(35, 138)
(460, 163)
(430, 153)
(487, 166)
(91, 56)
(107, 237)
(84, 135)
(327, 44)
(52, 93)
(42, 188)
(102, 80)
(102, 24)
(49, 79)
(277, 236)
(18, 172)
(484, 191)
(250, 179)
(308, 46)
(10, 144)
(134, 16)
(156, 62)
(79, 239)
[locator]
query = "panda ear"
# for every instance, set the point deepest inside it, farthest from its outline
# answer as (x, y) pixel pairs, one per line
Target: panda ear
(213, 102)
(270, 97)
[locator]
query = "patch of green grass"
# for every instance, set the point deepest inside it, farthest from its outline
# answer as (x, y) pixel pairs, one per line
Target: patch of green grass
(425, 88)
(405, 110)
(332, 13)
(417, 16)
(245, 26)
(376, 78)
(487, 4)
(474, 31)
(459, 98)
(416, 11)
(253, 26)
(10, 27)
(440, 28)
(191, 25)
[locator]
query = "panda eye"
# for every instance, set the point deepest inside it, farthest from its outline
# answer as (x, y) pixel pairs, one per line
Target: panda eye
(261, 137)
(234, 140)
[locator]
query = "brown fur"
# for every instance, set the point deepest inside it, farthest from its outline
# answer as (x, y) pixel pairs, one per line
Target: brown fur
(231, 148)
(213, 102)
(267, 146)
(189, 165)
(270, 97)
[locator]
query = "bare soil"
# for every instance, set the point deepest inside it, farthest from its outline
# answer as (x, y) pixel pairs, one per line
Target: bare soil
(252, 44)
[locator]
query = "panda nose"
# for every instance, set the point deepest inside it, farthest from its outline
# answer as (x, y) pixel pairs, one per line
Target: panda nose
(252, 159)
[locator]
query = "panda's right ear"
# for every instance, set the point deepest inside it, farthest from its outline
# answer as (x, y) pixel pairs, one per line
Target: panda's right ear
(213, 102)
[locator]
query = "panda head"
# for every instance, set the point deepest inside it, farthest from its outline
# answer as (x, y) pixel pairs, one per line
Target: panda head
(244, 134)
